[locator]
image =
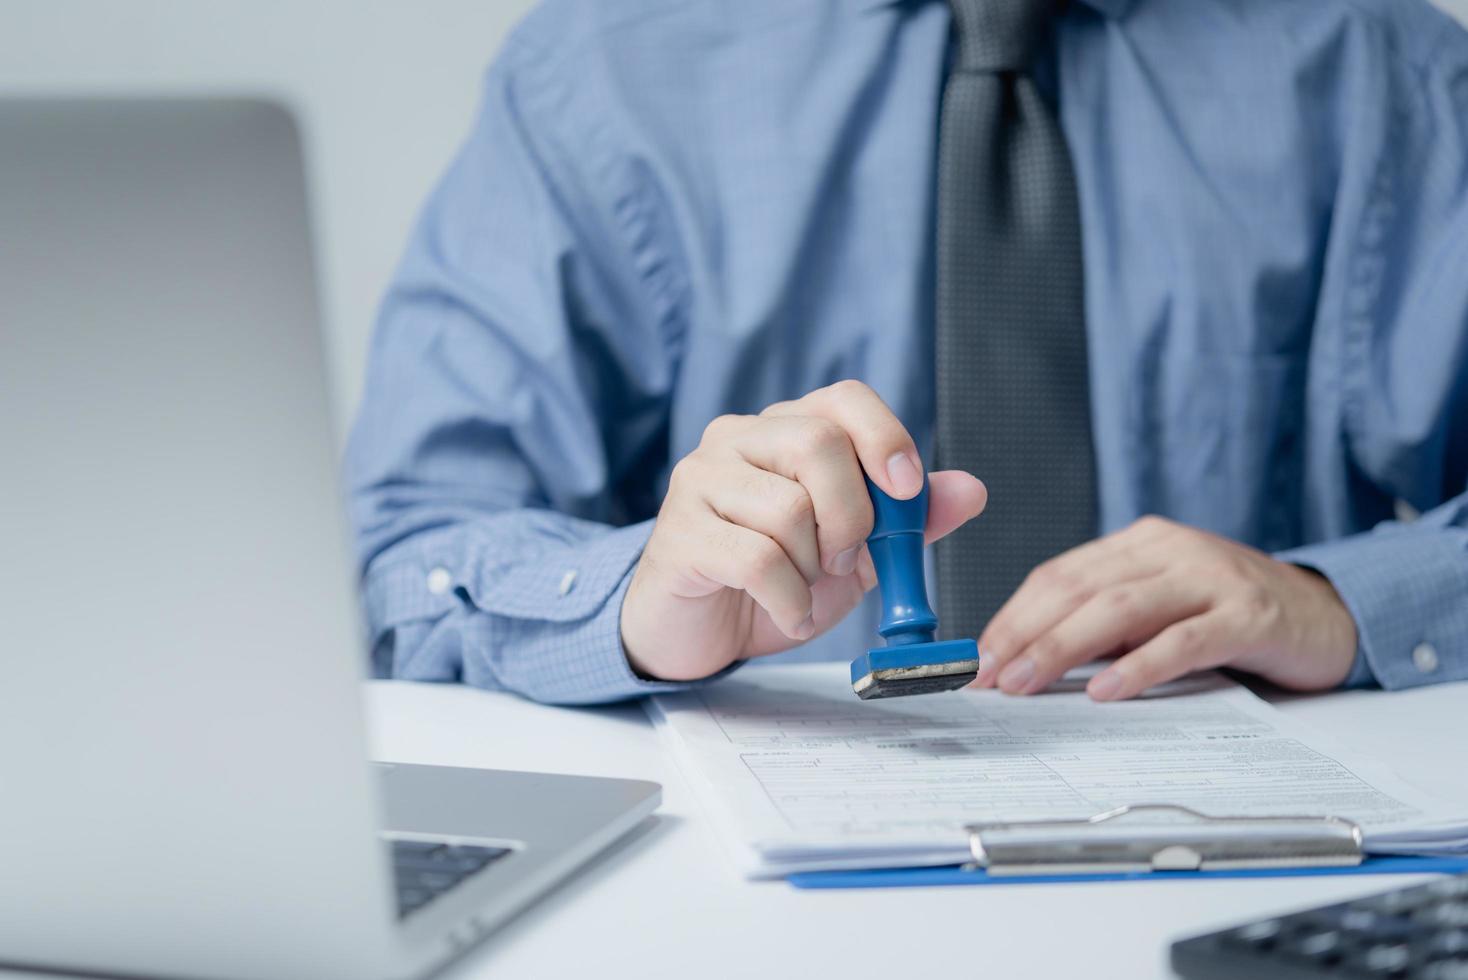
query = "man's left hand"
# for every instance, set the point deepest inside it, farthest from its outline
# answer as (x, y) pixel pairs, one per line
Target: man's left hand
(1169, 599)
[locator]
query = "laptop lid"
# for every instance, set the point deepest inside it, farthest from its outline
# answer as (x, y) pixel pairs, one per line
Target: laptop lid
(183, 784)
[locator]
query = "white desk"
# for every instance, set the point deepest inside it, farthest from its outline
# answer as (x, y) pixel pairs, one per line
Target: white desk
(664, 903)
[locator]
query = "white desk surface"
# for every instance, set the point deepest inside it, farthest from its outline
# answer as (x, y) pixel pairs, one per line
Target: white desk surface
(665, 903)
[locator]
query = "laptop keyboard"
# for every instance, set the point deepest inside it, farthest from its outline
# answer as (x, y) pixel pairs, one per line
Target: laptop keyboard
(427, 869)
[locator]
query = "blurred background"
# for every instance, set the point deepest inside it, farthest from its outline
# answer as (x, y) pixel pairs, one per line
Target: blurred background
(385, 89)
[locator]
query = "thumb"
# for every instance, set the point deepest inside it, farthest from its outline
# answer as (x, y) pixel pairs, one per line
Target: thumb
(954, 499)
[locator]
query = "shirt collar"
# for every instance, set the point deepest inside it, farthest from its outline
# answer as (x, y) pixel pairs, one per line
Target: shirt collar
(1108, 8)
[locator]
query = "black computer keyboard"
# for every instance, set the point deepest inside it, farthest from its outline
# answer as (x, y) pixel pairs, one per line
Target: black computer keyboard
(1419, 933)
(427, 869)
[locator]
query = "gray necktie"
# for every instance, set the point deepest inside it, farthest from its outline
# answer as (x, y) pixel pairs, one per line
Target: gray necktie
(1012, 398)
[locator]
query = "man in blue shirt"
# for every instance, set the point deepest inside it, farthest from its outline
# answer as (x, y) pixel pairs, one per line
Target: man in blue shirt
(677, 292)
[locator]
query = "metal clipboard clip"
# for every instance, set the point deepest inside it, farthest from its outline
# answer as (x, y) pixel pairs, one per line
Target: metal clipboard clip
(1161, 837)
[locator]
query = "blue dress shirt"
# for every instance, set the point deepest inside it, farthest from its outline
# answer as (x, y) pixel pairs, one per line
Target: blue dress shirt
(673, 209)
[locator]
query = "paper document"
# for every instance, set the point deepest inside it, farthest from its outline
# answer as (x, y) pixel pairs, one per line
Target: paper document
(799, 775)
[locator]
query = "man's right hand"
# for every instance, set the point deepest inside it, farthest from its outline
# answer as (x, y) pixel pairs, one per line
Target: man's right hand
(761, 541)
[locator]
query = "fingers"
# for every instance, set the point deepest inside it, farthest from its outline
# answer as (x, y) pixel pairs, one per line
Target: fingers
(825, 442)
(737, 557)
(1197, 643)
(818, 456)
(866, 570)
(1173, 600)
(1056, 589)
(954, 499)
(1113, 618)
(760, 539)
(832, 599)
(886, 451)
(778, 508)
(781, 506)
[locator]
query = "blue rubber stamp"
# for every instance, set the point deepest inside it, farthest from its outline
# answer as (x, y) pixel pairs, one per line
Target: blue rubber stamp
(913, 661)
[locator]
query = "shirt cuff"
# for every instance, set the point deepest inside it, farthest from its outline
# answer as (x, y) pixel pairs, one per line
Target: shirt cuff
(554, 625)
(569, 662)
(1407, 589)
(535, 608)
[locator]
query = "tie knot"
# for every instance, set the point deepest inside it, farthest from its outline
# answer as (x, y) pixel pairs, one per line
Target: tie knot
(999, 35)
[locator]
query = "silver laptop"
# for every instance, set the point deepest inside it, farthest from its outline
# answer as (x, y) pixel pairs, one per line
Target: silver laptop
(184, 788)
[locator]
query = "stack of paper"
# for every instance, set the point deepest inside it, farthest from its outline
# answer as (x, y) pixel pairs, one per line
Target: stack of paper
(799, 775)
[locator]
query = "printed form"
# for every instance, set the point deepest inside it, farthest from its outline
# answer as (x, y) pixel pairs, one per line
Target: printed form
(801, 775)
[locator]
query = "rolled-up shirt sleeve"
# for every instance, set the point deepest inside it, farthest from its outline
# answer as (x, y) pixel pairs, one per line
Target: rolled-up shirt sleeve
(505, 463)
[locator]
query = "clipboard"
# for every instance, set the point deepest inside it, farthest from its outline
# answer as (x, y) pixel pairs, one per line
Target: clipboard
(1147, 842)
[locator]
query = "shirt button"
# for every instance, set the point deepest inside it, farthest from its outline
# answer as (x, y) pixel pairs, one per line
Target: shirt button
(1424, 656)
(568, 582)
(439, 581)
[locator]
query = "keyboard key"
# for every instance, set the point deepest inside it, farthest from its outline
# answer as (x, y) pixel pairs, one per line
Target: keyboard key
(480, 855)
(1361, 924)
(1323, 945)
(1386, 960)
(1452, 915)
(440, 864)
(1451, 943)
(411, 899)
(1454, 969)
(1259, 934)
(435, 881)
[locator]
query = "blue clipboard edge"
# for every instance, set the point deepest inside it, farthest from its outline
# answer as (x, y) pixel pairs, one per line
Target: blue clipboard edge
(956, 875)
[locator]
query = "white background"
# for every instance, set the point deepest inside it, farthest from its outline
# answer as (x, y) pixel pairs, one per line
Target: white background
(385, 89)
